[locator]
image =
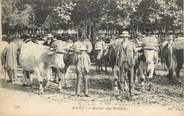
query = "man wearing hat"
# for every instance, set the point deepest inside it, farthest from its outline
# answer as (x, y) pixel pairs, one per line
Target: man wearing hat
(48, 41)
(59, 47)
(10, 55)
(3, 45)
(82, 67)
(119, 40)
(88, 44)
(170, 40)
(126, 60)
(100, 44)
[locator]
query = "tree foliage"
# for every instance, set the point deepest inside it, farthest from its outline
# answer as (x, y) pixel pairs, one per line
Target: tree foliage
(137, 15)
(158, 14)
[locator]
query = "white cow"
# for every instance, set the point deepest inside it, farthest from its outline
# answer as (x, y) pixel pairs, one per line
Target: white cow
(38, 59)
(147, 65)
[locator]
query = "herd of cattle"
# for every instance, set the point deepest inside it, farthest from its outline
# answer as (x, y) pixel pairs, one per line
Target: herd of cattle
(39, 59)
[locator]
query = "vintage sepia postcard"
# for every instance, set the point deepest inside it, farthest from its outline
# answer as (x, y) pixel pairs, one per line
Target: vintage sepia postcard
(92, 57)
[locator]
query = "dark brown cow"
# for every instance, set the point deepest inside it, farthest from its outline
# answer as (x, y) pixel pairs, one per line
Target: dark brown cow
(101, 59)
(173, 56)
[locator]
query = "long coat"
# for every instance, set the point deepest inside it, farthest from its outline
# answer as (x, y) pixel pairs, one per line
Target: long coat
(83, 58)
(3, 45)
(126, 53)
(11, 56)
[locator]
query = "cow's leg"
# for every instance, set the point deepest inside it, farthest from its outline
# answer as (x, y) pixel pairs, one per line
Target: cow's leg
(122, 79)
(178, 68)
(9, 72)
(48, 76)
(26, 79)
(131, 83)
(66, 68)
(56, 78)
(85, 79)
(97, 66)
(79, 76)
(135, 75)
(41, 89)
(59, 88)
(170, 75)
(115, 78)
(151, 69)
(142, 76)
(65, 75)
(38, 71)
(58, 74)
(101, 68)
(112, 67)
(101, 64)
(106, 67)
(14, 74)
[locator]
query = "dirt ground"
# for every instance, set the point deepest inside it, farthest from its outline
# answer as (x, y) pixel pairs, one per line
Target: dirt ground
(18, 100)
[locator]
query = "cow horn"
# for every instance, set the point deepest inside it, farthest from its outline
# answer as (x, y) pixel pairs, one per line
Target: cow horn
(51, 52)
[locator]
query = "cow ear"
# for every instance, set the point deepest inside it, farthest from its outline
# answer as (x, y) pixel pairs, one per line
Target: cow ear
(178, 43)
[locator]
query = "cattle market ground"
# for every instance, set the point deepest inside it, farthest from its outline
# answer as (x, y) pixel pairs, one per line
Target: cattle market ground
(18, 100)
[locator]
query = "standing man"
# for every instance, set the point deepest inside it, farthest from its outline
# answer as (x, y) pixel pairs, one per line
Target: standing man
(126, 61)
(10, 64)
(59, 47)
(170, 40)
(48, 40)
(3, 45)
(100, 44)
(69, 44)
(88, 45)
(118, 40)
(82, 67)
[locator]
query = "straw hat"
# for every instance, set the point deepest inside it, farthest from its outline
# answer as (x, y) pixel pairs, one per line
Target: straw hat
(50, 35)
(98, 38)
(171, 37)
(83, 48)
(125, 34)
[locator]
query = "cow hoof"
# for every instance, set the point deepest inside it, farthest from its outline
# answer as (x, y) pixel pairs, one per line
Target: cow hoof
(118, 97)
(56, 81)
(59, 90)
(129, 97)
(116, 89)
(143, 90)
(150, 87)
(27, 85)
(78, 95)
(9, 81)
(41, 92)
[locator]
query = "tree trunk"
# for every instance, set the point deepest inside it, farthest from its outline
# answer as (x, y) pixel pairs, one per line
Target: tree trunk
(0, 21)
